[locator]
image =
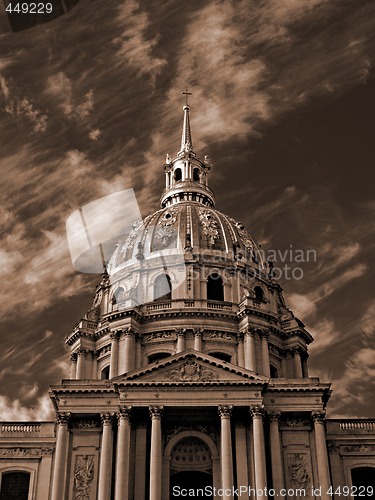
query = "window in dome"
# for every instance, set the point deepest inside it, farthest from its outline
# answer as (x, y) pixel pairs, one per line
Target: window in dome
(163, 288)
(178, 175)
(158, 356)
(221, 355)
(118, 296)
(259, 294)
(274, 372)
(196, 175)
(15, 485)
(104, 374)
(215, 288)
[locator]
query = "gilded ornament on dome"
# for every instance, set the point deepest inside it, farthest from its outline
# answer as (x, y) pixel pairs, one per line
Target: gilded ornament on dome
(129, 242)
(209, 226)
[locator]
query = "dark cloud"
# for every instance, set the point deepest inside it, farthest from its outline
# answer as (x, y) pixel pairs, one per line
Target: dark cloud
(90, 104)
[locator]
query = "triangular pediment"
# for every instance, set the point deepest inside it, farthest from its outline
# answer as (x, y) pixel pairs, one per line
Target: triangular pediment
(191, 367)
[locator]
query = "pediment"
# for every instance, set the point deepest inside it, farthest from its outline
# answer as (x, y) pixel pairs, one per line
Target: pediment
(191, 367)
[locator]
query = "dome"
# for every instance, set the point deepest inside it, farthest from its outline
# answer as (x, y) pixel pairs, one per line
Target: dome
(187, 228)
(189, 277)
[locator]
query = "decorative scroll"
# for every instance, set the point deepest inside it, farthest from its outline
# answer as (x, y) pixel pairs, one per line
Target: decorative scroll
(86, 424)
(220, 335)
(295, 422)
(25, 452)
(209, 226)
(362, 449)
(191, 371)
(298, 471)
(158, 335)
(83, 476)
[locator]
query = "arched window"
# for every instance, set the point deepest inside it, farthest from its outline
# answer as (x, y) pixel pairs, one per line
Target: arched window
(118, 296)
(178, 175)
(221, 355)
(259, 295)
(215, 288)
(196, 175)
(15, 485)
(274, 372)
(104, 374)
(158, 356)
(163, 288)
(364, 477)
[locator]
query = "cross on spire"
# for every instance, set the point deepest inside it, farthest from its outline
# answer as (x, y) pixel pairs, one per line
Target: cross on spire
(186, 94)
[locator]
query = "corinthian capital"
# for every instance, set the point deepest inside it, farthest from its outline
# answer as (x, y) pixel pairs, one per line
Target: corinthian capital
(156, 411)
(257, 411)
(107, 418)
(274, 416)
(124, 413)
(225, 411)
(318, 416)
(114, 335)
(63, 418)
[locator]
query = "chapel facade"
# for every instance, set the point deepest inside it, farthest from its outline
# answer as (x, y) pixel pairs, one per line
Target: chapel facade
(188, 374)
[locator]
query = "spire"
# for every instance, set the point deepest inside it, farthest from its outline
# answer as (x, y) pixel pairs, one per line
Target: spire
(186, 139)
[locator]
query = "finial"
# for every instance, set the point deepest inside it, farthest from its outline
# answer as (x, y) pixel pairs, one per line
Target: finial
(186, 140)
(186, 94)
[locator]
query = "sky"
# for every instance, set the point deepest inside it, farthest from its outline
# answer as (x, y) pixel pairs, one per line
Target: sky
(283, 103)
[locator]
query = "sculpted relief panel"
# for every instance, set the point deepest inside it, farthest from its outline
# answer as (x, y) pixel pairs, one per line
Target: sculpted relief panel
(83, 477)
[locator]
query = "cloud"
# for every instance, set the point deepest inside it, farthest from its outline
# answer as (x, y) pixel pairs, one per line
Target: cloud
(60, 87)
(135, 46)
(325, 335)
(301, 305)
(19, 106)
(352, 386)
(13, 410)
(95, 134)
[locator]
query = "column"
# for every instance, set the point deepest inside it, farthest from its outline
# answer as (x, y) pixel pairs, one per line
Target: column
(155, 453)
(250, 363)
(129, 350)
(105, 464)
(257, 413)
(284, 372)
(59, 469)
(73, 365)
(276, 453)
(81, 364)
(140, 461)
(123, 454)
(180, 340)
(94, 370)
(226, 451)
(297, 363)
(240, 350)
(265, 353)
(305, 369)
(113, 367)
(198, 339)
(321, 453)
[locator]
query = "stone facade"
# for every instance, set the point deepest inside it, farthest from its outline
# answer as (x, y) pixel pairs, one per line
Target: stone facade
(188, 371)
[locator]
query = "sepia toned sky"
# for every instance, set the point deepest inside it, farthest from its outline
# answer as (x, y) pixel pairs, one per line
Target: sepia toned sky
(283, 103)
